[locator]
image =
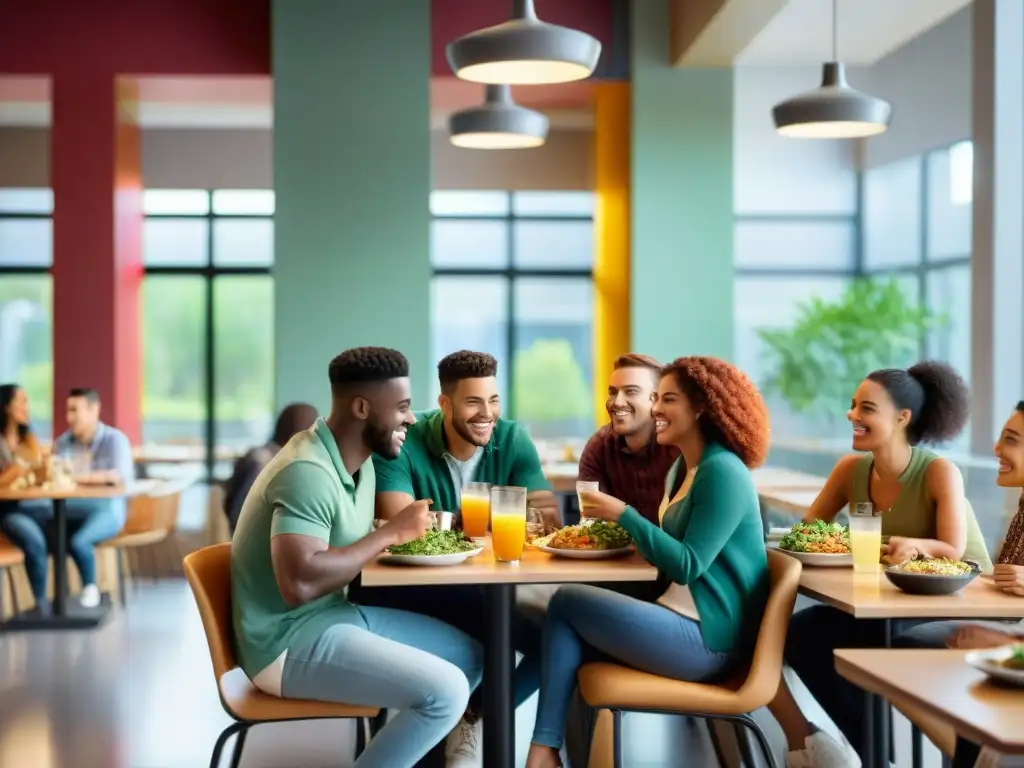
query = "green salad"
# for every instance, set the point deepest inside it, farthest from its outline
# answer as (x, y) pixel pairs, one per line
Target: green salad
(435, 542)
(1016, 659)
(591, 535)
(817, 537)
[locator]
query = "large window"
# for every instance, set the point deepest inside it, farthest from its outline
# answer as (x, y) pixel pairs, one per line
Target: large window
(207, 313)
(26, 315)
(513, 276)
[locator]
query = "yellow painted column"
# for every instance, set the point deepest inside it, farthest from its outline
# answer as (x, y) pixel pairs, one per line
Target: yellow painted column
(611, 233)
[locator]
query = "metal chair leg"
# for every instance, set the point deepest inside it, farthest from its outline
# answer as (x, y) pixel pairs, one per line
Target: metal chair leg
(716, 743)
(378, 722)
(218, 748)
(762, 739)
(236, 759)
(617, 738)
(916, 747)
(360, 736)
(14, 592)
(120, 578)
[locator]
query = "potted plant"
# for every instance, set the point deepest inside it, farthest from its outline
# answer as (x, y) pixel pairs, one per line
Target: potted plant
(817, 363)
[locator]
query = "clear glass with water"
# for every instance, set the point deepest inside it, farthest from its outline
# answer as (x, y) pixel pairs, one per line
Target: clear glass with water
(865, 537)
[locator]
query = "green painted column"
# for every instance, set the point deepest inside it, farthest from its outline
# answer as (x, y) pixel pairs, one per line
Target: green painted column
(352, 180)
(681, 283)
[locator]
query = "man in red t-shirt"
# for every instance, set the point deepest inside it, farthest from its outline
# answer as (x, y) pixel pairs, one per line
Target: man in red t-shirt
(623, 456)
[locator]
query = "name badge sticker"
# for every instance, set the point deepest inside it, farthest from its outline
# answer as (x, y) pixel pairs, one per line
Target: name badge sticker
(863, 509)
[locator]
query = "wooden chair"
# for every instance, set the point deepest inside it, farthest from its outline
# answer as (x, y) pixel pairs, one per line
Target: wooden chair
(10, 556)
(208, 571)
(610, 686)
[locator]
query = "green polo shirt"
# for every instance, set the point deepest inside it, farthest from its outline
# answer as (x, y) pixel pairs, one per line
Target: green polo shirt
(509, 458)
(305, 489)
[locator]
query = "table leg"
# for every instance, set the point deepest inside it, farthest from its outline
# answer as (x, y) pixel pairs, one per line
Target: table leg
(868, 747)
(499, 667)
(60, 558)
(883, 712)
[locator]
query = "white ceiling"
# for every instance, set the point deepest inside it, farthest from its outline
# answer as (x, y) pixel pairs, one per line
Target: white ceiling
(801, 33)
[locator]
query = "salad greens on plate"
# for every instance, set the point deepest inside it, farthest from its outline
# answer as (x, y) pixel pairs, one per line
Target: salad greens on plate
(817, 537)
(435, 542)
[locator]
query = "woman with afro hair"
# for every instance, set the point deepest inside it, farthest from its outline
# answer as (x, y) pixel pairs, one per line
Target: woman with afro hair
(710, 539)
(920, 497)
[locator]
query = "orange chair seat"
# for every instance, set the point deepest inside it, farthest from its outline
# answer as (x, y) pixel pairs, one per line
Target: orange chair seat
(247, 702)
(605, 685)
(938, 732)
(138, 539)
(10, 555)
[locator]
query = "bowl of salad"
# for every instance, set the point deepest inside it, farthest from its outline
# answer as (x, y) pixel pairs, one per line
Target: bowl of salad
(435, 547)
(932, 575)
(819, 543)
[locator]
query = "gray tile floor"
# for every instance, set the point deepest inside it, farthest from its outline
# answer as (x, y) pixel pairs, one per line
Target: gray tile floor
(139, 693)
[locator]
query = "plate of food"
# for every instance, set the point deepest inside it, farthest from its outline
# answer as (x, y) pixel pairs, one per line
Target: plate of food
(819, 543)
(435, 548)
(932, 575)
(592, 540)
(1005, 663)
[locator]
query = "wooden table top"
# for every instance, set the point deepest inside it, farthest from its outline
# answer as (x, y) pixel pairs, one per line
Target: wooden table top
(77, 492)
(872, 596)
(536, 567)
(940, 683)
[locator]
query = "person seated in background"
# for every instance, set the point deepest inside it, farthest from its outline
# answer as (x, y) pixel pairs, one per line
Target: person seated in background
(304, 535)
(106, 459)
(466, 440)
(710, 539)
(19, 452)
(623, 457)
(1008, 573)
(924, 512)
(294, 418)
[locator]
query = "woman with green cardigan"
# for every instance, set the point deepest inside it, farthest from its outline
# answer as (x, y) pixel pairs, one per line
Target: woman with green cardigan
(710, 539)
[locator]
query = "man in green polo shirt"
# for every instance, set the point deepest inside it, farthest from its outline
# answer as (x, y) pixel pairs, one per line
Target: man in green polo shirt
(304, 534)
(466, 440)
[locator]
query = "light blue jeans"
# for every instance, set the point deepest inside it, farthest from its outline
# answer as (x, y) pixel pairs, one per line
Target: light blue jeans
(587, 623)
(394, 659)
(92, 520)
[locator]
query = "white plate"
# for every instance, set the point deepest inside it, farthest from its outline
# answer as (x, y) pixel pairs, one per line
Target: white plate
(434, 560)
(987, 661)
(586, 554)
(822, 559)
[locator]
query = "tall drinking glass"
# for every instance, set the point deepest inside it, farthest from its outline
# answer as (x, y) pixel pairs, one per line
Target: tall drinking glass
(508, 522)
(865, 537)
(476, 509)
(585, 485)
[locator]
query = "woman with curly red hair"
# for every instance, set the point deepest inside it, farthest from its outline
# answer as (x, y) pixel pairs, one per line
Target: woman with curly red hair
(710, 539)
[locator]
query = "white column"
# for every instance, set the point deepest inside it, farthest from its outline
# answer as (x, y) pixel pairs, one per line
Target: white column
(997, 264)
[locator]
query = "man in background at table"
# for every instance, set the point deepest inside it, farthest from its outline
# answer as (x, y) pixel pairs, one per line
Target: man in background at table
(624, 457)
(466, 440)
(107, 453)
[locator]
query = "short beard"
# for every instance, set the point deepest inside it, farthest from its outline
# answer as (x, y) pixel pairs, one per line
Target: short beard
(462, 430)
(380, 439)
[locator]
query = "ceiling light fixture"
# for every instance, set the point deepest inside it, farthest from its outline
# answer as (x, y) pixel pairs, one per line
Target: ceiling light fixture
(498, 123)
(835, 110)
(524, 51)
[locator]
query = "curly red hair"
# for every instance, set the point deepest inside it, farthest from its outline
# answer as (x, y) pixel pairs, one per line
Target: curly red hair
(732, 411)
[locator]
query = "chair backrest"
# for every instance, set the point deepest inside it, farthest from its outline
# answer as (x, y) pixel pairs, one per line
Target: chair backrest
(208, 571)
(766, 667)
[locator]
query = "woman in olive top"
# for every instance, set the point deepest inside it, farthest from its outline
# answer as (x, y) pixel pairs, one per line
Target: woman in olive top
(920, 497)
(710, 539)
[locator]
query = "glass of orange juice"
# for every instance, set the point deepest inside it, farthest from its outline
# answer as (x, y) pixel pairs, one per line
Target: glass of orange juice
(508, 522)
(476, 509)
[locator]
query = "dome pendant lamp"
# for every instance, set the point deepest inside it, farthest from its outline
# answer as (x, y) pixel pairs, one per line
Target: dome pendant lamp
(524, 51)
(833, 111)
(498, 123)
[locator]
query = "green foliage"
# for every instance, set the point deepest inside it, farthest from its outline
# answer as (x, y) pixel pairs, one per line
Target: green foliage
(549, 384)
(816, 365)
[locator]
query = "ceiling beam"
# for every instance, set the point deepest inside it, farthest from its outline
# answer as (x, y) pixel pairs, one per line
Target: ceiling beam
(713, 33)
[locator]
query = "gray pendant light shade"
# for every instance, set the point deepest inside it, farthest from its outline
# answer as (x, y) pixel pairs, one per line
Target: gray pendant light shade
(498, 123)
(833, 111)
(524, 51)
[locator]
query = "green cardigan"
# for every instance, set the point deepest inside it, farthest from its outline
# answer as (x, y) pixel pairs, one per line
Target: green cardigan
(713, 542)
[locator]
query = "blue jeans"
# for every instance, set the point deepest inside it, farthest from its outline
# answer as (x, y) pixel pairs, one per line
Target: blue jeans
(92, 520)
(587, 623)
(393, 659)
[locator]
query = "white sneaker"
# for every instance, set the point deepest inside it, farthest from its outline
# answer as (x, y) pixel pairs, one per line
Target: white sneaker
(462, 748)
(90, 596)
(822, 751)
